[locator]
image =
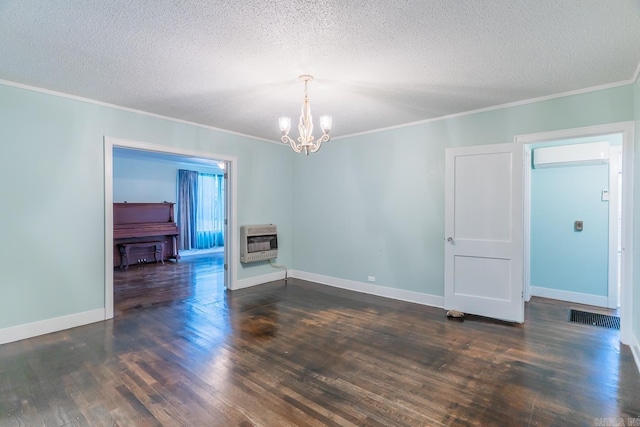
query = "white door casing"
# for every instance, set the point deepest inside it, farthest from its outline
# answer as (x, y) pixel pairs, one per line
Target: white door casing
(615, 157)
(227, 218)
(484, 231)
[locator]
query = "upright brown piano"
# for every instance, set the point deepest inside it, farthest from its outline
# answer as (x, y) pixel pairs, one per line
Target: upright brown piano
(135, 223)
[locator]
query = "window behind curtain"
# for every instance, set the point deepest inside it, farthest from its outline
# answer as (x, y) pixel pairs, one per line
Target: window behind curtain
(200, 210)
(209, 211)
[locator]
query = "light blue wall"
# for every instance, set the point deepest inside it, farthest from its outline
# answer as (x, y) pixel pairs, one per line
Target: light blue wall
(365, 205)
(373, 205)
(51, 187)
(148, 180)
(562, 258)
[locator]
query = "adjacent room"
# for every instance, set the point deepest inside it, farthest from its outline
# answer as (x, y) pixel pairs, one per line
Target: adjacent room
(320, 213)
(169, 204)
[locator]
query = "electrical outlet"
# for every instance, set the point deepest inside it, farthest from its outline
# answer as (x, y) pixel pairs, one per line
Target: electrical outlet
(371, 278)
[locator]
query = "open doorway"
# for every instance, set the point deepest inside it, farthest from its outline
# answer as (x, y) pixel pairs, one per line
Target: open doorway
(607, 296)
(147, 281)
(574, 197)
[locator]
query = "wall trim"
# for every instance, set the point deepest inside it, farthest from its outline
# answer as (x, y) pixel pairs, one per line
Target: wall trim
(351, 135)
(132, 110)
(576, 297)
(526, 223)
(47, 326)
(615, 158)
(258, 280)
(635, 350)
(368, 288)
(496, 107)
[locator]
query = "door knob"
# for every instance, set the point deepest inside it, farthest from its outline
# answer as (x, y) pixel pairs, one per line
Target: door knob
(450, 239)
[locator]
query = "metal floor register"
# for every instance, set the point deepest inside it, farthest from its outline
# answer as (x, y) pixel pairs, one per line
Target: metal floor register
(595, 319)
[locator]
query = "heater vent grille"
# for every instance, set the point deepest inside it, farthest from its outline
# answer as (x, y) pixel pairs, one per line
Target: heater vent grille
(594, 319)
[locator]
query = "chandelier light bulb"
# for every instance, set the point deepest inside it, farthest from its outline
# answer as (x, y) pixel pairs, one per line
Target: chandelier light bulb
(285, 124)
(306, 141)
(325, 123)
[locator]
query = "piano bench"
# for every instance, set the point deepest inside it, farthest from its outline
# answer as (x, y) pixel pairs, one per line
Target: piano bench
(125, 248)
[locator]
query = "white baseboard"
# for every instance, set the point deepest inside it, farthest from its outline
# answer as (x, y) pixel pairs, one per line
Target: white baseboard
(576, 297)
(635, 349)
(367, 288)
(41, 327)
(257, 280)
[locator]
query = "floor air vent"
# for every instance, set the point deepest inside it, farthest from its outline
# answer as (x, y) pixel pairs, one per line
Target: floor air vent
(595, 319)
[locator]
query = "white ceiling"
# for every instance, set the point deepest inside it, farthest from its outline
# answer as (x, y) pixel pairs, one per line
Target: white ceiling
(378, 63)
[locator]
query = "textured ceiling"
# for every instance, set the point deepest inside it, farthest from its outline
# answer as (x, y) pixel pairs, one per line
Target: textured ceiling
(378, 63)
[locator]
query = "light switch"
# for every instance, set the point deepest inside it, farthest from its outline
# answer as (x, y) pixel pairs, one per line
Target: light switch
(577, 226)
(605, 195)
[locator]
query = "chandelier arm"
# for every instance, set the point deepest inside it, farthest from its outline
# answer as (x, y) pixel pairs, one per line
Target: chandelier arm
(294, 146)
(324, 138)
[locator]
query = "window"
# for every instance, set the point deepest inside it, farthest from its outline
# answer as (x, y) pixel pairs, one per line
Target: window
(200, 210)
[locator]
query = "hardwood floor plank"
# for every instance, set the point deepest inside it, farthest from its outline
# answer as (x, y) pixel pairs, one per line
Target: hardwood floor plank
(151, 399)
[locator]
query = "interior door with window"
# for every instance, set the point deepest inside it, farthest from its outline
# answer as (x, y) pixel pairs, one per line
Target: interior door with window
(484, 231)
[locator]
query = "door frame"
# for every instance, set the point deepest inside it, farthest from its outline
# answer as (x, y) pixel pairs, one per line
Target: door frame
(626, 129)
(614, 198)
(230, 275)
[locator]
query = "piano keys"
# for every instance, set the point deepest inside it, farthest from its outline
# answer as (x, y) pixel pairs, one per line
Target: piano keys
(144, 222)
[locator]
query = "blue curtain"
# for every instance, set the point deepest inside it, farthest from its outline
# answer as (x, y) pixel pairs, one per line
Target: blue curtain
(187, 196)
(200, 210)
(209, 211)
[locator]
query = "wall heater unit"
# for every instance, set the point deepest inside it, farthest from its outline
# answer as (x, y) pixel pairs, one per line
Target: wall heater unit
(258, 242)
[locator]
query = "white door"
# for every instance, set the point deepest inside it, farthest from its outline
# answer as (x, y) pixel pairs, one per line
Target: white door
(483, 231)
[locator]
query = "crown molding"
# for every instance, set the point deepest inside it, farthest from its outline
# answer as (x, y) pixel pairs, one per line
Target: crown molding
(130, 110)
(497, 107)
(351, 135)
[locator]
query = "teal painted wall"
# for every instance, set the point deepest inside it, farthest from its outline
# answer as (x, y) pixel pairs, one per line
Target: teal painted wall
(365, 205)
(562, 258)
(373, 205)
(51, 187)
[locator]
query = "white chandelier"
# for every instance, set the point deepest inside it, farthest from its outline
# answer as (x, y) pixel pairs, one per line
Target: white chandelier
(305, 141)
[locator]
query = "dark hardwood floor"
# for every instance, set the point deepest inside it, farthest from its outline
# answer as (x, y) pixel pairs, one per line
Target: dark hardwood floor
(182, 352)
(198, 278)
